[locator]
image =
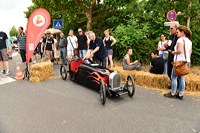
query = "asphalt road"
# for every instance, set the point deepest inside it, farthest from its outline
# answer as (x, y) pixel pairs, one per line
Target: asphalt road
(58, 106)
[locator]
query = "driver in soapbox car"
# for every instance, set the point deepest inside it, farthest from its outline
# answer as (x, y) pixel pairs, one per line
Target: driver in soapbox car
(104, 80)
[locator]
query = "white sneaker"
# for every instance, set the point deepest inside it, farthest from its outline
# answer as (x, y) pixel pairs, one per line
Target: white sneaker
(3, 71)
(7, 73)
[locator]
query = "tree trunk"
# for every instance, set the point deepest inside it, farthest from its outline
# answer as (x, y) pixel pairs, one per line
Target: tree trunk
(89, 21)
(188, 20)
(188, 23)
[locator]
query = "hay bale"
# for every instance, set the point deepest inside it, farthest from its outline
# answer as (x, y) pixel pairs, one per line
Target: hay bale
(149, 80)
(192, 82)
(144, 79)
(41, 71)
(36, 79)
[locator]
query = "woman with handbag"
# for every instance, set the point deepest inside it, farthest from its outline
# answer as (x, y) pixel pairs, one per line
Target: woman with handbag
(72, 45)
(182, 53)
(162, 51)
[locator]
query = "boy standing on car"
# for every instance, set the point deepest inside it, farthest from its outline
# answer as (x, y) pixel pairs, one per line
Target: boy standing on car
(96, 48)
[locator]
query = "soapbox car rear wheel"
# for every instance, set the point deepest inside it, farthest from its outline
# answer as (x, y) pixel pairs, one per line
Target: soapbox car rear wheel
(63, 72)
(102, 92)
(130, 86)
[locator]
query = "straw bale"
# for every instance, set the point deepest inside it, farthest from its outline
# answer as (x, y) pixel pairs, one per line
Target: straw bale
(41, 71)
(41, 66)
(36, 79)
(192, 82)
(149, 80)
(144, 79)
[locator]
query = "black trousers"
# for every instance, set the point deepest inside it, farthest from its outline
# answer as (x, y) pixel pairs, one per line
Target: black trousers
(169, 67)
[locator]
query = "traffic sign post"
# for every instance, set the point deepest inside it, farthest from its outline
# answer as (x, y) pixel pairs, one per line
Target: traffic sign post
(169, 23)
(58, 24)
(171, 15)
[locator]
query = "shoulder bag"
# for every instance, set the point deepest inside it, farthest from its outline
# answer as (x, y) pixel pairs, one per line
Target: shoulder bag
(181, 67)
(75, 50)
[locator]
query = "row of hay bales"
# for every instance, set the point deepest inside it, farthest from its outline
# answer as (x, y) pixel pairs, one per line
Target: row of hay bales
(41, 71)
(161, 81)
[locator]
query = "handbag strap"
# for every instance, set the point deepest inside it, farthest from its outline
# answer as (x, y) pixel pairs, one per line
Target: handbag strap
(71, 42)
(184, 50)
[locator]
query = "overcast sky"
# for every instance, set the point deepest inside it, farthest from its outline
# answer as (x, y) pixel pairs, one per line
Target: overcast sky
(12, 14)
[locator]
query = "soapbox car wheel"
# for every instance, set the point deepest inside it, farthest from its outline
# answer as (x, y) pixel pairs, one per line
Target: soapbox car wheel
(130, 86)
(102, 92)
(63, 72)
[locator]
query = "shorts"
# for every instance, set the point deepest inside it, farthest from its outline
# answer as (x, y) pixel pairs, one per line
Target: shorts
(70, 52)
(3, 54)
(23, 55)
(110, 51)
(48, 54)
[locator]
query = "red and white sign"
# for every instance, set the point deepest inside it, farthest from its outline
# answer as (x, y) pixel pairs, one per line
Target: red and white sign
(171, 15)
(38, 22)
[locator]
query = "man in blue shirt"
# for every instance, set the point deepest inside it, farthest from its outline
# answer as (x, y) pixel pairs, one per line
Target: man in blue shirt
(96, 48)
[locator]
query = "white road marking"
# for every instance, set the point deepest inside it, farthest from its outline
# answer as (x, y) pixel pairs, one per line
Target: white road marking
(5, 79)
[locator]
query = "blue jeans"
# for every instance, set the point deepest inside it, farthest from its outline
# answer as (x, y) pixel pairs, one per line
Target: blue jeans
(165, 65)
(63, 55)
(82, 53)
(189, 64)
(181, 81)
(103, 61)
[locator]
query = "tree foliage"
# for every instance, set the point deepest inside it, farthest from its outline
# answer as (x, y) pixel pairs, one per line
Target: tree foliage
(136, 23)
(80, 13)
(13, 32)
(156, 12)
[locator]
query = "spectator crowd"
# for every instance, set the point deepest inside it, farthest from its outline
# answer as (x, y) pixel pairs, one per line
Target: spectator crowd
(87, 45)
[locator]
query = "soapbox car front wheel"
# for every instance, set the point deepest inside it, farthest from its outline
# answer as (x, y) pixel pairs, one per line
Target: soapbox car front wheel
(102, 92)
(130, 86)
(63, 72)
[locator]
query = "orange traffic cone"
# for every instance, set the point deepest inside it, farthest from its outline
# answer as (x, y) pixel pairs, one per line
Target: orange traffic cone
(19, 73)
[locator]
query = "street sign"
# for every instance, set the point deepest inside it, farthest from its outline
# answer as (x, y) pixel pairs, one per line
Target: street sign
(58, 24)
(171, 15)
(169, 23)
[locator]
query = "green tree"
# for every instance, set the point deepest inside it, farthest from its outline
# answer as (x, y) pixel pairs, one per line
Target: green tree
(155, 12)
(133, 35)
(13, 32)
(87, 14)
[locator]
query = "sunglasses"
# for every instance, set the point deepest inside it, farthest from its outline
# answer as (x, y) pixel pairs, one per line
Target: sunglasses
(79, 31)
(48, 33)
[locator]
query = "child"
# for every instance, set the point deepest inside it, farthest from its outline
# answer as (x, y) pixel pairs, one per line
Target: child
(157, 63)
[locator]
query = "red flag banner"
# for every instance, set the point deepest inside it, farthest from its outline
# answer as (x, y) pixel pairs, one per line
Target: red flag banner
(38, 22)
